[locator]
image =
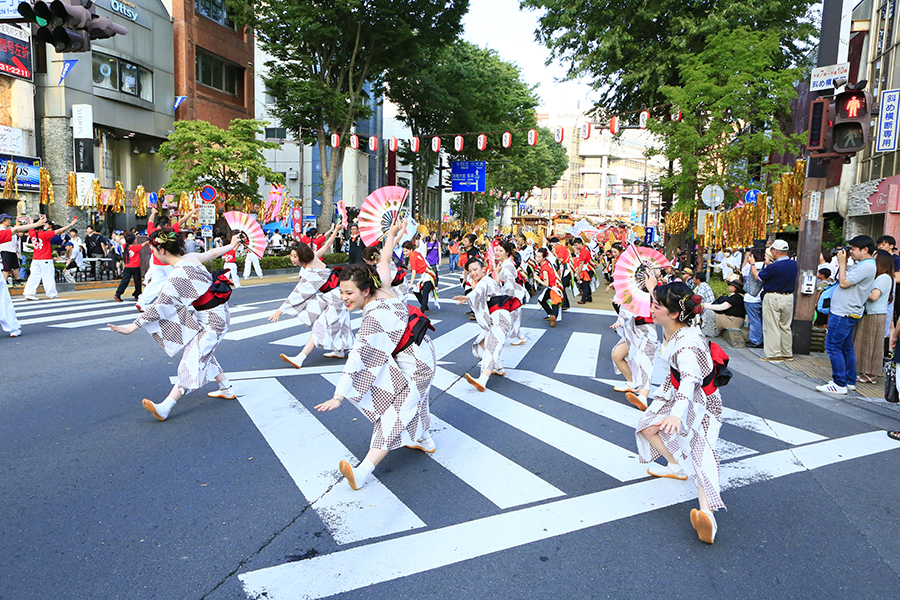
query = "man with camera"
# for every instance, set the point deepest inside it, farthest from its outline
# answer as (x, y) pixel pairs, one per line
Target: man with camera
(847, 305)
(779, 279)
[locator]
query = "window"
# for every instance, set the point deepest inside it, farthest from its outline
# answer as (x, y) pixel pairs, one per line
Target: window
(121, 76)
(214, 10)
(276, 133)
(214, 72)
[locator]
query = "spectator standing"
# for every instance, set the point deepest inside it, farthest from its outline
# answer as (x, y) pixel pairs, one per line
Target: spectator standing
(277, 242)
(698, 280)
(753, 297)
(96, 247)
(132, 268)
(453, 253)
(191, 245)
(433, 251)
(847, 305)
(354, 246)
(779, 279)
(868, 338)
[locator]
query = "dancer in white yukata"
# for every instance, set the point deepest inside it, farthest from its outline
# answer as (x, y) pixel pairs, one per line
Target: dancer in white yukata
(178, 320)
(316, 302)
(399, 284)
(507, 276)
(633, 356)
(682, 424)
(8, 319)
(157, 271)
(493, 313)
(389, 371)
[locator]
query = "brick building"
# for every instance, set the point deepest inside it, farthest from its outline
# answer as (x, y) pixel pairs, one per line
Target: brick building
(213, 63)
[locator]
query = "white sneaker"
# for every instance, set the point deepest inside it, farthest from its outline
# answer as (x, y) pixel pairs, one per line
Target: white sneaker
(625, 386)
(832, 388)
(669, 471)
(16, 333)
(704, 523)
(851, 387)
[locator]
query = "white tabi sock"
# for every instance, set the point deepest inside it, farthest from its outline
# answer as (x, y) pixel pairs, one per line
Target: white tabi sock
(298, 360)
(363, 471)
(165, 407)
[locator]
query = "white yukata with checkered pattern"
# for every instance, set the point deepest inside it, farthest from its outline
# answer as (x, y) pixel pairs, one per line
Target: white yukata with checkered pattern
(176, 325)
(495, 326)
(305, 302)
(687, 351)
(332, 329)
(642, 341)
(401, 290)
(507, 280)
(392, 392)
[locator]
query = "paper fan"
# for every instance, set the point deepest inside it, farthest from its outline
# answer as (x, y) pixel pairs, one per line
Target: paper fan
(250, 229)
(631, 272)
(378, 212)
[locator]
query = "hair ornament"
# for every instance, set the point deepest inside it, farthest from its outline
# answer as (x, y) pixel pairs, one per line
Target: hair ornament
(161, 237)
(376, 280)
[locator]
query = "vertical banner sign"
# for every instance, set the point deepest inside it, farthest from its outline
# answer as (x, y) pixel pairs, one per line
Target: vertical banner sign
(482, 142)
(645, 118)
(532, 137)
(585, 131)
(335, 140)
(887, 121)
(458, 143)
(414, 144)
(297, 228)
(507, 139)
(83, 135)
(15, 51)
(373, 144)
(435, 144)
(392, 144)
(178, 101)
(67, 66)
(354, 141)
(559, 135)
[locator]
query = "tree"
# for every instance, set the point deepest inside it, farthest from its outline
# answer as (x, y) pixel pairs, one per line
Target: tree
(328, 54)
(231, 160)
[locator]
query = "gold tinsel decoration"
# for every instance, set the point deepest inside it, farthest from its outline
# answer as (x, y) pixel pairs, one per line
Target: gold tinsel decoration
(118, 202)
(72, 191)
(184, 203)
(98, 195)
(140, 202)
(46, 187)
(676, 222)
(11, 187)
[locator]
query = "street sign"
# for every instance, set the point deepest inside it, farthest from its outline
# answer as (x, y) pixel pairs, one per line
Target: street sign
(208, 193)
(887, 121)
(815, 203)
(207, 214)
(822, 78)
(206, 231)
(648, 235)
(751, 195)
(468, 176)
(713, 195)
(522, 206)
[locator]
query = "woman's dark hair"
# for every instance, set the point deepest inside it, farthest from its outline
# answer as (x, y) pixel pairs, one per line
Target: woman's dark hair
(617, 246)
(542, 251)
(363, 277)
(679, 298)
(370, 253)
(162, 221)
(305, 254)
(472, 238)
(129, 238)
(409, 246)
(884, 263)
(169, 240)
(700, 276)
(827, 255)
(313, 232)
(474, 261)
(509, 248)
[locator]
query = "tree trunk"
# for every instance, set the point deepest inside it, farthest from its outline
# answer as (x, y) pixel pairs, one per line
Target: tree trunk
(331, 167)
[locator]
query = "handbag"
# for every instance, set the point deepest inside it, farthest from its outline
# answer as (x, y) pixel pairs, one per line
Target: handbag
(890, 380)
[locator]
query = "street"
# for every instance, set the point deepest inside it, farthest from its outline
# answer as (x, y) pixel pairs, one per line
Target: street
(535, 490)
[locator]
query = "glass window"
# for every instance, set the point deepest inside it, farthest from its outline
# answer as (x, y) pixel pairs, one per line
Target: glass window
(215, 10)
(129, 78)
(105, 71)
(216, 73)
(114, 74)
(146, 84)
(276, 133)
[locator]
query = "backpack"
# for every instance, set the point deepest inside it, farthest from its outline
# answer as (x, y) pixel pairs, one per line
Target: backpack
(217, 294)
(718, 377)
(823, 306)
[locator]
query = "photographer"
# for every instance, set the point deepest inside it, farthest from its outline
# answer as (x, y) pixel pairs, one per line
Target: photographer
(847, 305)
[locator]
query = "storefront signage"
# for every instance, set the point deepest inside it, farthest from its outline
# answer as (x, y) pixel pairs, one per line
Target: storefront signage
(125, 9)
(15, 52)
(28, 171)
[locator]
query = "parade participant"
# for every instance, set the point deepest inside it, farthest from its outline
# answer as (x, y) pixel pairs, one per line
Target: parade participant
(633, 355)
(550, 297)
(230, 260)
(251, 260)
(9, 255)
(388, 373)
(420, 268)
(8, 320)
(183, 317)
(316, 302)
(371, 256)
(583, 265)
(42, 270)
(156, 274)
(492, 310)
(468, 251)
(563, 268)
(132, 268)
(682, 424)
(507, 276)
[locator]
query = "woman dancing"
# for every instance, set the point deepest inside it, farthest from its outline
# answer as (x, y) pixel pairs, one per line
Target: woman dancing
(492, 310)
(316, 303)
(388, 374)
(508, 278)
(419, 267)
(178, 320)
(633, 355)
(551, 296)
(682, 424)
(371, 255)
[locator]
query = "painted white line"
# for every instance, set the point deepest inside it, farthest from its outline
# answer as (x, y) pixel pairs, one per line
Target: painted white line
(128, 317)
(453, 339)
(299, 340)
(250, 332)
(337, 367)
(730, 451)
(767, 427)
(577, 311)
(580, 355)
(255, 317)
(513, 355)
(594, 451)
(27, 311)
(326, 575)
(310, 454)
(23, 302)
(75, 314)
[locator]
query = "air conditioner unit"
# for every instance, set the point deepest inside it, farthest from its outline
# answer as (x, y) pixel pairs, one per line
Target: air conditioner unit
(292, 175)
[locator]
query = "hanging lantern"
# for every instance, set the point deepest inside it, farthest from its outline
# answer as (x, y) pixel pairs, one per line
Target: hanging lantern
(414, 144)
(392, 144)
(436, 144)
(518, 195)
(586, 130)
(335, 140)
(354, 141)
(532, 137)
(507, 139)
(373, 144)
(482, 142)
(458, 143)
(559, 135)
(645, 118)
(613, 125)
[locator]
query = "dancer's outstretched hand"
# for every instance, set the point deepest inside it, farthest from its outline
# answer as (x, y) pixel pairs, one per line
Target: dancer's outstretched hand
(275, 316)
(123, 329)
(460, 299)
(329, 404)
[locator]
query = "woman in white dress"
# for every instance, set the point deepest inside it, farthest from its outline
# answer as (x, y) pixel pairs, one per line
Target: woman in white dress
(371, 255)
(177, 320)
(390, 368)
(682, 424)
(633, 355)
(507, 276)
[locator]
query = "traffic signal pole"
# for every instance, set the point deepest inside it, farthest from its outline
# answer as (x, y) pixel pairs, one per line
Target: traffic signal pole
(810, 238)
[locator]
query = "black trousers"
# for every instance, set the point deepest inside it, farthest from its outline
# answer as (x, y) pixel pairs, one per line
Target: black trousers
(551, 309)
(566, 283)
(422, 296)
(585, 287)
(130, 273)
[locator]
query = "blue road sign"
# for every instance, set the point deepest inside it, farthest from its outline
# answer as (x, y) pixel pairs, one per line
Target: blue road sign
(751, 195)
(522, 206)
(468, 176)
(648, 235)
(206, 231)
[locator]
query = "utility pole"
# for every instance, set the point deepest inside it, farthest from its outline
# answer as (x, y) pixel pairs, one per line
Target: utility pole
(810, 238)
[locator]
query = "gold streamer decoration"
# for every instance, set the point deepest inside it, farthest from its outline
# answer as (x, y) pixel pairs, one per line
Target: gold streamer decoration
(46, 187)
(98, 196)
(140, 202)
(676, 222)
(118, 203)
(72, 191)
(11, 187)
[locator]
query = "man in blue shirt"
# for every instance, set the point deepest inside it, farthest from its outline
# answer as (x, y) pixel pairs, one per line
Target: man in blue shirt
(847, 305)
(779, 279)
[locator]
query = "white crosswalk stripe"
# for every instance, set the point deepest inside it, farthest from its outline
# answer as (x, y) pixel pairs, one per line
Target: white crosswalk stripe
(580, 355)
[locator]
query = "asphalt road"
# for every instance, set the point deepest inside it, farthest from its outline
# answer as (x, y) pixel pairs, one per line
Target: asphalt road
(534, 491)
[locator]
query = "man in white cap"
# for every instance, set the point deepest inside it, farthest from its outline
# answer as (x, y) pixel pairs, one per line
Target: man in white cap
(779, 279)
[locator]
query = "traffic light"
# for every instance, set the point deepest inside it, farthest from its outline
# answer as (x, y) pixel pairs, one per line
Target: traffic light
(818, 124)
(850, 132)
(69, 25)
(101, 28)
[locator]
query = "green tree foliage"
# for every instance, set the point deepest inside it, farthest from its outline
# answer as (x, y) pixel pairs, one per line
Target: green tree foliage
(326, 52)
(730, 95)
(231, 160)
(631, 49)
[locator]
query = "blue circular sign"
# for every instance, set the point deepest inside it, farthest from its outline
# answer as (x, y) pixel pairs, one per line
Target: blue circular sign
(208, 193)
(751, 195)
